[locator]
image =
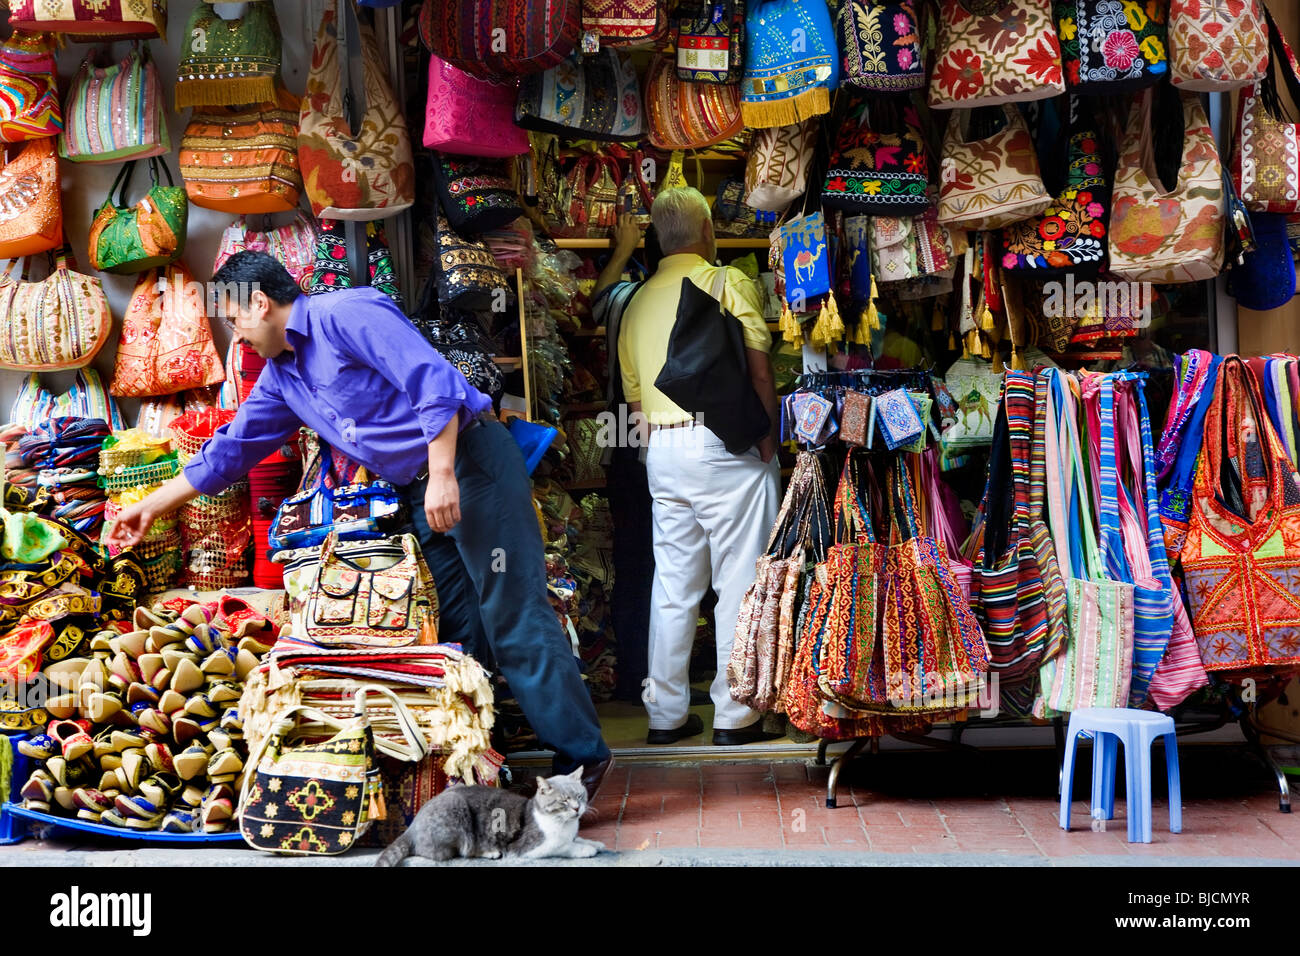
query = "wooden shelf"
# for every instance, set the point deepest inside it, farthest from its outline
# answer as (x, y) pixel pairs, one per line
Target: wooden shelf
(729, 243)
(508, 361)
(584, 407)
(585, 485)
(595, 333)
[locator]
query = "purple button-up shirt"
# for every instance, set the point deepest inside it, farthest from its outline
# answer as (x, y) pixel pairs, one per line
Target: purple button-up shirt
(361, 376)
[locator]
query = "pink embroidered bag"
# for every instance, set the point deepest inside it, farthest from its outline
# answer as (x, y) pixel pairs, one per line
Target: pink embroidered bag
(293, 245)
(471, 117)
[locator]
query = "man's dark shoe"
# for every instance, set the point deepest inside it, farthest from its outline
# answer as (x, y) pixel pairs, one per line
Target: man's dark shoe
(743, 735)
(693, 727)
(594, 775)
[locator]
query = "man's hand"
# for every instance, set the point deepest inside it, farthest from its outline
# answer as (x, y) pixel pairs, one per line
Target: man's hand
(442, 500)
(626, 236)
(767, 448)
(132, 525)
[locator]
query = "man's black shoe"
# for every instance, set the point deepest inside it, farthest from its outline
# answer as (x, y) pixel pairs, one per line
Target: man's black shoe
(743, 735)
(593, 776)
(693, 727)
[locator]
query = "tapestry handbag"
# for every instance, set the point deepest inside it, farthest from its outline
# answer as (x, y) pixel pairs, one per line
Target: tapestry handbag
(30, 109)
(468, 274)
(1070, 235)
(991, 180)
(686, 114)
(1266, 168)
(624, 22)
(597, 96)
(318, 797)
(366, 175)
(166, 344)
(1240, 554)
(1055, 595)
(977, 390)
(807, 264)
(589, 197)
(881, 46)
(501, 39)
(243, 159)
(990, 52)
(332, 271)
(791, 62)
(228, 62)
(1174, 234)
(468, 116)
(293, 245)
(880, 164)
(59, 322)
(151, 233)
(1109, 47)
(710, 41)
(31, 203)
(776, 170)
(474, 194)
(1216, 47)
(91, 19)
(115, 112)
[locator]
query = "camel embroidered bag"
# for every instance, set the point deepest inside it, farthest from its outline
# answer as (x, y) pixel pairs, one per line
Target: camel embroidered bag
(992, 181)
(624, 22)
(1216, 47)
(501, 39)
(776, 171)
(710, 41)
(126, 239)
(60, 322)
(1111, 47)
(880, 45)
(683, 114)
(1173, 235)
(31, 204)
(1006, 52)
(585, 97)
(364, 175)
(880, 164)
(30, 108)
(1266, 168)
(468, 116)
(91, 19)
(166, 344)
(115, 112)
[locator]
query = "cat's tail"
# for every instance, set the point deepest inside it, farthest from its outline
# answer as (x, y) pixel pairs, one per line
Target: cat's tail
(395, 853)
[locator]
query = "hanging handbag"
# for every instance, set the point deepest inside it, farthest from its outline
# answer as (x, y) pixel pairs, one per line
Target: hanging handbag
(993, 181)
(776, 170)
(468, 116)
(166, 344)
(1216, 47)
(710, 41)
(115, 112)
(1266, 277)
(363, 175)
(86, 398)
(807, 269)
(500, 39)
(881, 46)
(31, 203)
(1266, 165)
(791, 62)
(474, 194)
(126, 239)
(331, 270)
(880, 165)
(243, 159)
(293, 245)
(684, 114)
(1174, 235)
(30, 108)
(229, 62)
(60, 322)
(1007, 52)
(468, 275)
(624, 22)
(91, 19)
(1109, 48)
(585, 97)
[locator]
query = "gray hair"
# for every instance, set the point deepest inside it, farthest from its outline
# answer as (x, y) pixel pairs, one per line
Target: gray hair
(679, 215)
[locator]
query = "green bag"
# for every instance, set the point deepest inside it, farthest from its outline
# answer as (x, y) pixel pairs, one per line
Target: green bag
(128, 239)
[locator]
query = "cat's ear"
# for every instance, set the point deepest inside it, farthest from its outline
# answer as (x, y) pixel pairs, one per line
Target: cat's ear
(576, 776)
(543, 785)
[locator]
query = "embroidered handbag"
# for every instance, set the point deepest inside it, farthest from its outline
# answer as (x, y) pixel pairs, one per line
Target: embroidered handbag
(624, 22)
(880, 164)
(468, 116)
(1266, 165)
(469, 277)
(86, 398)
(1070, 235)
(293, 245)
(1109, 47)
(1007, 52)
(500, 39)
(332, 271)
(1173, 235)
(31, 203)
(992, 181)
(243, 159)
(126, 239)
(881, 44)
(1217, 47)
(807, 269)
(791, 62)
(474, 194)
(363, 176)
(91, 19)
(229, 62)
(60, 322)
(115, 112)
(30, 108)
(684, 114)
(776, 170)
(710, 41)
(585, 97)
(166, 344)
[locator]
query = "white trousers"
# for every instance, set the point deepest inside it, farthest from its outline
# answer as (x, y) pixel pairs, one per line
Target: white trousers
(713, 512)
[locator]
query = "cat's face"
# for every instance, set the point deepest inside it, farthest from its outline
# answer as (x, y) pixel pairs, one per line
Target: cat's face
(562, 797)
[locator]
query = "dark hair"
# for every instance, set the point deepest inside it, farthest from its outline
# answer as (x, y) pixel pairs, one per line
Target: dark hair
(249, 269)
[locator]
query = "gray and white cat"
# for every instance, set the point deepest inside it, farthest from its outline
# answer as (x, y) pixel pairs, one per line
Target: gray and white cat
(496, 824)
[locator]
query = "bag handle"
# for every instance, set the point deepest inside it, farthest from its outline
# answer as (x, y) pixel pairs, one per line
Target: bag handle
(1281, 53)
(120, 183)
(1112, 540)
(1085, 553)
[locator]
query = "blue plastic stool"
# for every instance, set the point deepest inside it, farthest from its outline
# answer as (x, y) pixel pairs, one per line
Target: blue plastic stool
(1138, 730)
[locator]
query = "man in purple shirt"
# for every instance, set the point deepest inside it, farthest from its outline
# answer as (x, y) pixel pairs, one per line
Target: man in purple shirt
(351, 366)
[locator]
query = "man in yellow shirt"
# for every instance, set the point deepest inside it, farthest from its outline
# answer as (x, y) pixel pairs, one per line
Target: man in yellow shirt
(712, 510)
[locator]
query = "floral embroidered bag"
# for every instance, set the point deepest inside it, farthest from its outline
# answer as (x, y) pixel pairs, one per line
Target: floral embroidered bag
(474, 194)
(1266, 165)
(880, 165)
(1217, 47)
(881, 46)
(585, 97)
(995, 52)
(1111, 46)
(468, 116)
(992, 181)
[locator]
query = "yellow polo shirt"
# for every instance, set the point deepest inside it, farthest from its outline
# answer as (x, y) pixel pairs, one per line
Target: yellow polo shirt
(648, 322)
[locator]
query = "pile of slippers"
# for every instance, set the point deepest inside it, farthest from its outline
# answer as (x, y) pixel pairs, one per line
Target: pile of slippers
(146, 733)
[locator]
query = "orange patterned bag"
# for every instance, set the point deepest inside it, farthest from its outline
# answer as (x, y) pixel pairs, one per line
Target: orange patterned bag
(991, 52)
(31, 206)
(243, 159)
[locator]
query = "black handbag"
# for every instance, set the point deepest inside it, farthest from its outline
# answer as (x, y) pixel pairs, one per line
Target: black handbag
(474, 194)
(468, 276)
(706, 371)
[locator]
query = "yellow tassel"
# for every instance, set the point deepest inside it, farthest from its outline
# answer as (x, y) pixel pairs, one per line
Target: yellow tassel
(786, 112)
(225, 91)
(820, 337)
(1018, 362)
(836, 320)
(998, 367)
(986, 320)
(952, 342)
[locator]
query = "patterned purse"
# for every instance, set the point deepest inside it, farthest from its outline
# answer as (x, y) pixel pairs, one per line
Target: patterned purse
(1004, 53)
(624, 22)
(791, 62)
(1109, 47)
(332, 271)
(1217, 46)
(60, 322)
(500, 39)
(468, 116)
(992, 181)
(30, 108)
(880, 165)
(881, 44)
(585, 97)
(229, 62)
(115, 112)
(91, 19)
(31, 206)
(127, 239)
(474, 194)
(684, 114)
(293, 245)
(710, 41)
(1266, 167)
(776, 171)
(469, 277)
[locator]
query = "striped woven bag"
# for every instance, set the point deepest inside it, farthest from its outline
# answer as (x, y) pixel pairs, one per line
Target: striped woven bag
(683, 114)
(115, 112)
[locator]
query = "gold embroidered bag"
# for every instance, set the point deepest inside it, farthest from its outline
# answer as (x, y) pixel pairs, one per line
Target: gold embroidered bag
(992, 52)
(31, 207)
(59, 322)
(993, 181)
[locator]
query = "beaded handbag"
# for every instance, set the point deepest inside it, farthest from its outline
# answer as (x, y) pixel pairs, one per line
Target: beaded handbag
(31, 207)
(115, 112)
(243, 159)
(59, 322)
